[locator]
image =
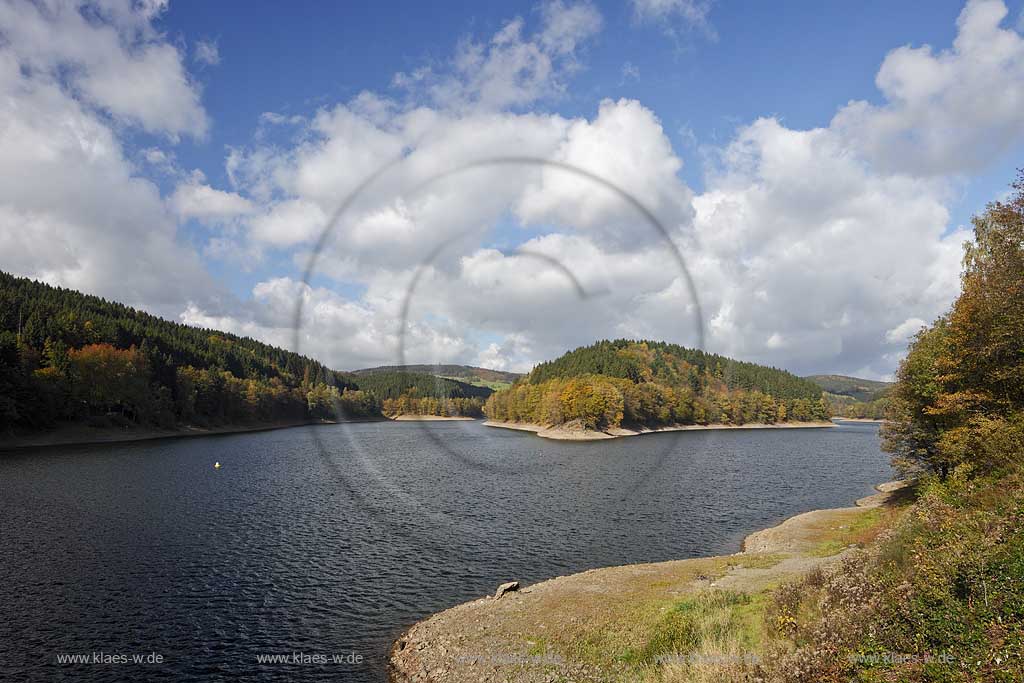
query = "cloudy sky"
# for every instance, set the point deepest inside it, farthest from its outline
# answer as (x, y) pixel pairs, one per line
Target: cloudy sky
(813, 172)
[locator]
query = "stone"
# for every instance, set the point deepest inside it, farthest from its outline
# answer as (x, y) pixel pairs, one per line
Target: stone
(506, 588)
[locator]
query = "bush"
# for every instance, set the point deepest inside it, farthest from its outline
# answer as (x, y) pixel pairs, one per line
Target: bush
(940, 597)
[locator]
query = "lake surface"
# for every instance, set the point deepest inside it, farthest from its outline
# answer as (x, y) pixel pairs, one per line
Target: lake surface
(327, 541)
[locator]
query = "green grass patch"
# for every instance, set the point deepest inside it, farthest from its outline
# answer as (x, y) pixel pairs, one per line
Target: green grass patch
(756, 561)
(859, 531)
(537, 647)
(708, 617)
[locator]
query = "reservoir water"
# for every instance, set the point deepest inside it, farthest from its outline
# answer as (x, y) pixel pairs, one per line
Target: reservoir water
(316, 546)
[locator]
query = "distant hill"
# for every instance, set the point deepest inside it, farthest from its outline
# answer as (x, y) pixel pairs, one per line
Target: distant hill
(481, 377)
(858, 389)
(649, 383)
(404, 392)
(391, 382)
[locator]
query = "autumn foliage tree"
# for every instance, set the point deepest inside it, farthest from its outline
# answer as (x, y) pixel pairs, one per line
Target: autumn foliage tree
(961, 386)
(106, 379)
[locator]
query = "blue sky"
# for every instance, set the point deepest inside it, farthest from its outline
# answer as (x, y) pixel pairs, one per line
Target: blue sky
(816, 162)
(799, 61)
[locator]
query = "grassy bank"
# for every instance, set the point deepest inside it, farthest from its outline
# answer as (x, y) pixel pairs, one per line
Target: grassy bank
(935, 594)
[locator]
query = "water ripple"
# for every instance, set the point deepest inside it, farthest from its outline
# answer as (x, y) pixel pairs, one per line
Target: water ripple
(145, 548)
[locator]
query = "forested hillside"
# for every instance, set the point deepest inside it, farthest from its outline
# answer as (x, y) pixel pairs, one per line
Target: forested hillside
(67, 356)
(865, 390)
(673, 365)
(648, 383)
(392, 383)
(848, 407)
(853, 397)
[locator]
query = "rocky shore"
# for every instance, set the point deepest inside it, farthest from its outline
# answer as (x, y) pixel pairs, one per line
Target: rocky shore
(576, 432)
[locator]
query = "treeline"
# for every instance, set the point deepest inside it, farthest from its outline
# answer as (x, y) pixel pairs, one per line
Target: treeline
(415, 393)
(469, 374)
(653, 384)
(855, 388)
(105, 385)
(71, 357)
(844, 406)
(411, 403)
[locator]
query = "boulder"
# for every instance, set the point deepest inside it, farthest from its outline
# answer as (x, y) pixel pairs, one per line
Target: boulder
(506, 588)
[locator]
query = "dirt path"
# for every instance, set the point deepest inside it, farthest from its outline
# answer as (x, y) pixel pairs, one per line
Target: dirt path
(583, 627)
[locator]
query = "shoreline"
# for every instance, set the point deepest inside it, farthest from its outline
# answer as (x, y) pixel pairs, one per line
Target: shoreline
(562, 433)
(83, 435)
(514, 637)
(431, 418)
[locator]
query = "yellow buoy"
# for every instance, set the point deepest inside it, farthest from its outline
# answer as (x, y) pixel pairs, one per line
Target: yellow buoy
(216, 465)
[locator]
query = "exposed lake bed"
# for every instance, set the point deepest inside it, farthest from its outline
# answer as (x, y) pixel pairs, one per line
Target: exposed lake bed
(571, 432)
(332, 540)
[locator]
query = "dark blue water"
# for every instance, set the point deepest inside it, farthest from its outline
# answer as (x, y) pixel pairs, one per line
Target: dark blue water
(328, 541)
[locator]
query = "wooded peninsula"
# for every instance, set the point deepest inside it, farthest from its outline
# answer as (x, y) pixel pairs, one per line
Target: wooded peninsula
(651, 385)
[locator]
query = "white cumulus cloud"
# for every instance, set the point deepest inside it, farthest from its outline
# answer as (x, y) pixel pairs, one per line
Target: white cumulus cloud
(195, 199)
(114, 59)
(905, 330)
(74, 210)
(946, 111)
